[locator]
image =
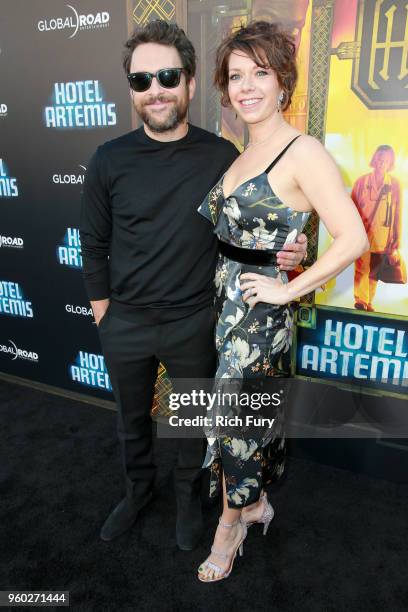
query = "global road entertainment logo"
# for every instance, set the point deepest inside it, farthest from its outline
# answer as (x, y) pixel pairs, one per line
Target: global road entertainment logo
(17, 353)
(73, 22)
(70, 178)
(11, 242)
(76, 309)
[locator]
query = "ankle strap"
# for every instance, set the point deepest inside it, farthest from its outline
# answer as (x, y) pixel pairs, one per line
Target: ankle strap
(228, 525)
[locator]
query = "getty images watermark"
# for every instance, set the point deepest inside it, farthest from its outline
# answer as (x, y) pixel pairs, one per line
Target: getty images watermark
(304, 408)
(216, 404)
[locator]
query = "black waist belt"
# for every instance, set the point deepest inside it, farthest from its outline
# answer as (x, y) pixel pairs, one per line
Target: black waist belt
(252, 257)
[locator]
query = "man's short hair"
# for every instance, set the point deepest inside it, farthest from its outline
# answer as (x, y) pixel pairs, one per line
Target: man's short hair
(162, 33)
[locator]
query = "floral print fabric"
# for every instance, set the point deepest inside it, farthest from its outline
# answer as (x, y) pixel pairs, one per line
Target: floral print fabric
(250, 342)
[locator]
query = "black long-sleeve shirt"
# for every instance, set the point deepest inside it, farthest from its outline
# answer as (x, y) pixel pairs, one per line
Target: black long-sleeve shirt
(143, 242)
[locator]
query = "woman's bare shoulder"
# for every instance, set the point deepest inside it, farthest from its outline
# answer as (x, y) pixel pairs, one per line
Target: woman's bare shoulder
(308, 150)
(306, 144)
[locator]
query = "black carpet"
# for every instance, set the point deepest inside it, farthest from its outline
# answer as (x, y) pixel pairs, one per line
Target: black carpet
(338, 540)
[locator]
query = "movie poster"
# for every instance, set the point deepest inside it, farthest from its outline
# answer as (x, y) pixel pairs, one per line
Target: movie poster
(366, 119)
(357, 334)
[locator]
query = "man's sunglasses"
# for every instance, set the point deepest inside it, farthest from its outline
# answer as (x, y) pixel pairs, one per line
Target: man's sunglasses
(167, 77)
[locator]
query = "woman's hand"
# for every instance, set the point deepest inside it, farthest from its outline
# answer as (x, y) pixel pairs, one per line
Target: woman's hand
(291, 255)
(259, 288)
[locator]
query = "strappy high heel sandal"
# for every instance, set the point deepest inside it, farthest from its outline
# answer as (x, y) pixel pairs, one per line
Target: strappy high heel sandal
(267, 514)
(220, 572)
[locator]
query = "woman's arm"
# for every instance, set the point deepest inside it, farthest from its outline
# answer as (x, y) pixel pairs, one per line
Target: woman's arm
(319, 179)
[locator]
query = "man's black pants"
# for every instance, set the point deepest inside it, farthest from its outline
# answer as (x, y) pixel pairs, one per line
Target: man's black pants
(133, 347)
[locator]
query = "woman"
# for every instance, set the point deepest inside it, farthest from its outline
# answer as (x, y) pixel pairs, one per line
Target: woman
(261, 203)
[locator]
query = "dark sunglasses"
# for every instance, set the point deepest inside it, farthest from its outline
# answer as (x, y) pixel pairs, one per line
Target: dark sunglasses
(167, 77)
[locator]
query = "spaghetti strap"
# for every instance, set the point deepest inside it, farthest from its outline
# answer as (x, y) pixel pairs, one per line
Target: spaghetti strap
(281, 154)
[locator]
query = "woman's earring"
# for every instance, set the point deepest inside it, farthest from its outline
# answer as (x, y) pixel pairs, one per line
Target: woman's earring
(280, 101)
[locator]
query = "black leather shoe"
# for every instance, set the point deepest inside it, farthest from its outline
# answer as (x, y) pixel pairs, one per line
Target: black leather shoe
(189, 524)
(122, 517)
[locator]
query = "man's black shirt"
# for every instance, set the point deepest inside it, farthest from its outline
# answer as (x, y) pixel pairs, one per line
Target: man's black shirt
(143, 242)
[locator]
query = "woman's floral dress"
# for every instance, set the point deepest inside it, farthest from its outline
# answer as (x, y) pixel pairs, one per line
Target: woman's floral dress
(250, 342)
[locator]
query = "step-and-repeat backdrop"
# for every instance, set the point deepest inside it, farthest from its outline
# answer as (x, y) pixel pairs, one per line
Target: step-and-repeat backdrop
(63, 92)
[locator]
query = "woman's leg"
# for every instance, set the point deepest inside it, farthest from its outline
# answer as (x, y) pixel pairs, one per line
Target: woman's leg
(226, 539)
(253, 512)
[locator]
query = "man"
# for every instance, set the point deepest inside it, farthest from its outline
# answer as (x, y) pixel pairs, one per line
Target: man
(149, 262)
(378, 200)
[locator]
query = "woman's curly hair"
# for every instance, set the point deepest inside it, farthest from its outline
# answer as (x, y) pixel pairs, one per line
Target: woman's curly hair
(261, 41)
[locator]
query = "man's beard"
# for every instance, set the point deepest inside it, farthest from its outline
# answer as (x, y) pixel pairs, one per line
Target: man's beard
(175, 115)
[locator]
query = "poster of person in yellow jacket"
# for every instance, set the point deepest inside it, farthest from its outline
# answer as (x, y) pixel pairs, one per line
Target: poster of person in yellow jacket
(377, 196)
